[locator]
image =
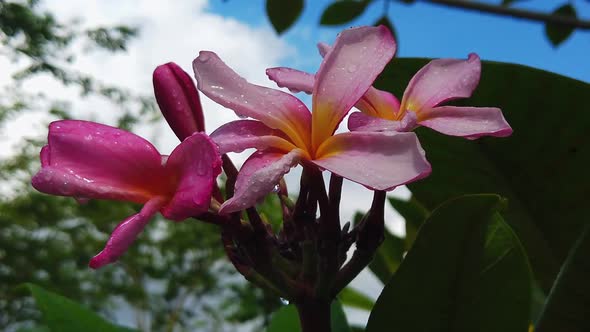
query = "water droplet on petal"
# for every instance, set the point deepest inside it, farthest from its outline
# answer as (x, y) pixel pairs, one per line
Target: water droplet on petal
(352, 68)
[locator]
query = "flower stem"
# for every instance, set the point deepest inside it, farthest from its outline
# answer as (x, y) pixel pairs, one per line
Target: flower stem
(314, 316)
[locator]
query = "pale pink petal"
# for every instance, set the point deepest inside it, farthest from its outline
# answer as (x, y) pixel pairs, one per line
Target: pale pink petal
(442, 80)
(358, 121)
(276, 109)
(348, 70)
(239, 135)
(126, 233)
(374, 102)
(380, 161)
(292, 79)
(91, 160)
(195, 163)
(258, 176)
(468, 122)
(378, 103)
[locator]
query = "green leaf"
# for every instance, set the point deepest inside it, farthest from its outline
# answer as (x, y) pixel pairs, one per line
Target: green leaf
(465, 272)
(414, 214)
(283, 13)
(569, 300)
(343, 11)
(351, 297)
(286, 319)
(557, 33)
(64, 315)
(541, 169)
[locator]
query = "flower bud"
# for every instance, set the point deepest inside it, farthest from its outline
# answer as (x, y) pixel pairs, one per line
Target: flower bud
(178, 99)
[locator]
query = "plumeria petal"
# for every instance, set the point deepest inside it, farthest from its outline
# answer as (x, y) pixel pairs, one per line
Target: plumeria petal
(374, 102)
(195, 163)
(258, 176)
(178, 99)
(379, 103)
(380, 161)
(239, 135)
(358, 121)
(442, 80)
(469, 122)
(91, 160)
(125, 233)
(346, 73)
(274, 108)
(292, 79)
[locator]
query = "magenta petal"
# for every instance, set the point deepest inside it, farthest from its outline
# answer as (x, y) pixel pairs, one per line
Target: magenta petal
(292, 79)
(441, 80)
(468, 122)
(125, 234)
(380, 161)
(44, 156)
(348, 70)
(276, 109)
(91, 160)
(178, 99)
(196, 163)
(239, 135)
(257, 177)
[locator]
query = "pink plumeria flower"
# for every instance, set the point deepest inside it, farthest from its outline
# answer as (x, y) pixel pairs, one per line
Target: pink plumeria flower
(178, 100)
(286, 133)
(93, 161)
(439, 81)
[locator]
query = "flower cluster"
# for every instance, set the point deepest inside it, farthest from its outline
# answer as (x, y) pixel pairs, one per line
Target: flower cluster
(87, 160)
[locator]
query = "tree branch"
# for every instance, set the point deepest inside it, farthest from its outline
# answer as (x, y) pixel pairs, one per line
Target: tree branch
(515, 12)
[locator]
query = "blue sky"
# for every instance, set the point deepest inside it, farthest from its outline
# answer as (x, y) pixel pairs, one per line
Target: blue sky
(427, 30)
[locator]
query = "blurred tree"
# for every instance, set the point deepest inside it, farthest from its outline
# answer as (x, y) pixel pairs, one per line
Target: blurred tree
(172, 279)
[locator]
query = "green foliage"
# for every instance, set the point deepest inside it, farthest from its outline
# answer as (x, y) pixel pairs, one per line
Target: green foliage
(541, 168)
(568, 303)
(343, 11)
(64, 315)
(286, 319)
(466, 272)
(283, 13)
(414, 215)
(556, 33)
(355, 299)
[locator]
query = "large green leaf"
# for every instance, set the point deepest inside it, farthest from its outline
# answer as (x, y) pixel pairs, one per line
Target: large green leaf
(541, 168)
(568, 304)
(283, 13)
(465, 272)
(64, 315)
(286, 319)
(343, 11)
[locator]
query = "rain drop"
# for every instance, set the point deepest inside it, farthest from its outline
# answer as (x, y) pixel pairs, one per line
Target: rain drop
(352, 68)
